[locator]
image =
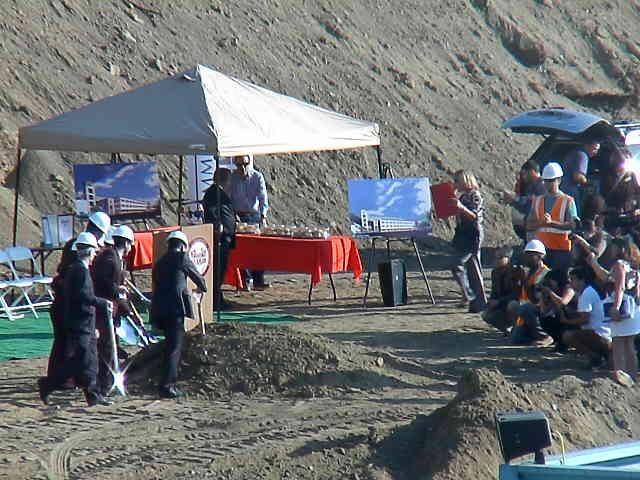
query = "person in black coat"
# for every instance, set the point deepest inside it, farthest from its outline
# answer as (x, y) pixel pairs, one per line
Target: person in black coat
(98, 224)
(227, 220)
(108, 280)
(170, 303)
(80, 328)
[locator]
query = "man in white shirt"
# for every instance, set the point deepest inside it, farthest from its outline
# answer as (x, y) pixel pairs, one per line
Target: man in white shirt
(594, 337)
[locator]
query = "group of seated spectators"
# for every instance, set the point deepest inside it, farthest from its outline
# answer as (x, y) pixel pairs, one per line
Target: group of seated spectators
(575, 283)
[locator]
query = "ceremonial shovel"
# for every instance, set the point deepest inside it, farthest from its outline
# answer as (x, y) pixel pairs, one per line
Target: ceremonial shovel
(114, 368)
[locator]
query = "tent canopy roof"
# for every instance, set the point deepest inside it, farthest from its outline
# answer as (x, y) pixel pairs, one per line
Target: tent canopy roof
(199, 110)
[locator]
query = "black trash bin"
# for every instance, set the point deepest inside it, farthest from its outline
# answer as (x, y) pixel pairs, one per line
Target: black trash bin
(393, 282)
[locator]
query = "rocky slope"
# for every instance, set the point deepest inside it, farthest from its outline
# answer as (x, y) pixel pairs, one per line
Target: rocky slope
(439, 77)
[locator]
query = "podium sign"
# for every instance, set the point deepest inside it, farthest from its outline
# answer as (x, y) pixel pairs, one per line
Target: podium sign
(201, 252)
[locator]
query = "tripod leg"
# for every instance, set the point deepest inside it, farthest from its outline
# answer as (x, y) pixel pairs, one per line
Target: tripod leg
(370, 261)
(424, 275)
(310, 290)
(333, 287)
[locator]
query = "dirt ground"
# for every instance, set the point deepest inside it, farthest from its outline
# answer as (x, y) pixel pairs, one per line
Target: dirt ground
(382, 402)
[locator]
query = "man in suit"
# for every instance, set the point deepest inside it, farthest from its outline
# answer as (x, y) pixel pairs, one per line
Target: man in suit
(171, 302)
(108, 280)
(98, 225)
(217, 200)
(79, 326)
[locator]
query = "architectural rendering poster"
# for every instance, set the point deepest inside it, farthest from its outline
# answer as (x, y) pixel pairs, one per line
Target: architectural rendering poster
(122, 190)
(390, 207)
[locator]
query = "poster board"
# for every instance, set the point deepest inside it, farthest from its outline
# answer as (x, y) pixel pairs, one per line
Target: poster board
(201, 251)
(395, 207)
(443, 194)
(124, 191)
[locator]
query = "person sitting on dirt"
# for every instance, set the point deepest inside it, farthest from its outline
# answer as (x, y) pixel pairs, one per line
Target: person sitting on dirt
(506, 285)
(552, 218)
(558, 301)
(526, 311)
(575, 166)
(170, 303)
(623, 293)
(528, 186)
(593, 339)
(621, 193)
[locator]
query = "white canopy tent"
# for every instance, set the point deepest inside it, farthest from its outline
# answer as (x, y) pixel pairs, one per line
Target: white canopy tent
(198, 111)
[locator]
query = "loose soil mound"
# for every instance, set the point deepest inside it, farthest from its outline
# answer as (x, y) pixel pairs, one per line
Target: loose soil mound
(460, 439)
(258, 359)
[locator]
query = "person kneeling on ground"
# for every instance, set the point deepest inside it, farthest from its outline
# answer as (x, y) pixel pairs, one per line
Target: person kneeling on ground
(527, 326)
(558, 302)
(594, 337)
(170, 303)
(506, 285)
(80, 323)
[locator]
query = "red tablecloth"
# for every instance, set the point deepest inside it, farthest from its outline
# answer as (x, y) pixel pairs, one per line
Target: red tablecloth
(294, 255)
(141, 256)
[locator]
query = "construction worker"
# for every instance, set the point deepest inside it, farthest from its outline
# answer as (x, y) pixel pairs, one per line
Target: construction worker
(525, 310)
(552, 219)
(79, 327)
(171, 302)
(98, 225)
(108, 280)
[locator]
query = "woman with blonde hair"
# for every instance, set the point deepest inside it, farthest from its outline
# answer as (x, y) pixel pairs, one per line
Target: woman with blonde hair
(467, 240)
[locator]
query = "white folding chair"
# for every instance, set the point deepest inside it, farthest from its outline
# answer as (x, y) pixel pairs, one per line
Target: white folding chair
(15, 287)
(24, 254)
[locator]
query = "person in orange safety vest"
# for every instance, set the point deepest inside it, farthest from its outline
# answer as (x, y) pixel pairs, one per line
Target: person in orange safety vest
(553, 218)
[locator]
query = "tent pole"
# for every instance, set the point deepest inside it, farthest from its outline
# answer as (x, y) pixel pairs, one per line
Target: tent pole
(380, 164)
(16, 197)
(180, 190)
(218, 239)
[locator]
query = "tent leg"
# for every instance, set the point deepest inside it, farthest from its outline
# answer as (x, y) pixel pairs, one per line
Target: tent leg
(381, 171)
(217, 290)
(180, 190)
(16, 197)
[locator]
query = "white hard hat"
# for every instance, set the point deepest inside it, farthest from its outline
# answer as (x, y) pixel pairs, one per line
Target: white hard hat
(124, 232)
(85, 240)
(108, 237)
(535, 246)
(180, 236)
(552, 171)
(101, 220)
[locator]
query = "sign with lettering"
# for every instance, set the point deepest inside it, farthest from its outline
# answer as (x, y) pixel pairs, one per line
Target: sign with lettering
(200, 254)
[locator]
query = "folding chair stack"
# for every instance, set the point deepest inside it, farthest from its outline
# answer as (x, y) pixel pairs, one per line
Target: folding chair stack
(21, 290)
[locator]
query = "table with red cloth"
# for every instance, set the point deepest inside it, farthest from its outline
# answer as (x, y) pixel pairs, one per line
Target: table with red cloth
(141, 256)
(293, 255)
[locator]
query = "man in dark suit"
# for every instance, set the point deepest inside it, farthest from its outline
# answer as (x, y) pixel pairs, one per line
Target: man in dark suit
(98, 224)
(108, 280)
(79, 326)
(171, 302)
(217, 200)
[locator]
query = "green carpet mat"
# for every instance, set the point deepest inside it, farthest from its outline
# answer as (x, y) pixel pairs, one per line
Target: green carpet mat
(31, 337)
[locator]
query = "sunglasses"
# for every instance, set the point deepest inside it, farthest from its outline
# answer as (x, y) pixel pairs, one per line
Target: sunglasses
(243, 164)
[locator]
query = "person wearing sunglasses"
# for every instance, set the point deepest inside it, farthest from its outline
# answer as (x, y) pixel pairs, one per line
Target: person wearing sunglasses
(251, 203)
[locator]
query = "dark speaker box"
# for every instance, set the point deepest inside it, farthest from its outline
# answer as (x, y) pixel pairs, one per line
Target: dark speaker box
(393, 282)
(522, 433)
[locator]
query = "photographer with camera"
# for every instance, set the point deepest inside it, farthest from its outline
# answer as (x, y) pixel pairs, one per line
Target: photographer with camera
(558, 301)
(506, 284)
(527, 327)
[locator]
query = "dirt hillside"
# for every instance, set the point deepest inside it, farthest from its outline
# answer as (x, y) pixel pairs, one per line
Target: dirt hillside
(439, 77)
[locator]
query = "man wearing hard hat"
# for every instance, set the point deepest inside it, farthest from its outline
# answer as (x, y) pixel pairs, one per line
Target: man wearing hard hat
(79, 325)
(552, 219)
(527, 326)
(108, 280)
(171, 302)
(98, 225)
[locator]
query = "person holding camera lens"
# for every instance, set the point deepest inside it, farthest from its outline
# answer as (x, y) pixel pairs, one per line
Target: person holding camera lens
(558, 301)
(526, 310)
(506, 284)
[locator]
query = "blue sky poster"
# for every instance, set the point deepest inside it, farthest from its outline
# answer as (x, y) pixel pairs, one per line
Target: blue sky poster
(391, 207)
(122, 190)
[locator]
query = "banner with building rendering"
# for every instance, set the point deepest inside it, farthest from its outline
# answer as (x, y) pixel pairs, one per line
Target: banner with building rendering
(122, 190)
(395, 207)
